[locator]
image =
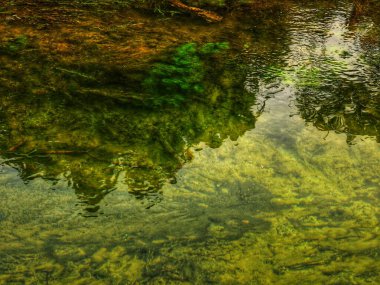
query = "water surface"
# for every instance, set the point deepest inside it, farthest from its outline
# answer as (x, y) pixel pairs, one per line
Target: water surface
(271, 178)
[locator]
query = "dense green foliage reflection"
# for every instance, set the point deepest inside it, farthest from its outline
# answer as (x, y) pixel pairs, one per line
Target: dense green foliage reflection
(91, 142)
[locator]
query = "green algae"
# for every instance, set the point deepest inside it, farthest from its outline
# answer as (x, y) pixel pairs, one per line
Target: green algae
(209, 193)
(15, 45)
(182, 77)
(337, 243)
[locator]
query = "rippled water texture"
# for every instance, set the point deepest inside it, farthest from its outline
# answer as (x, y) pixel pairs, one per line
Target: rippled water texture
(270, 177)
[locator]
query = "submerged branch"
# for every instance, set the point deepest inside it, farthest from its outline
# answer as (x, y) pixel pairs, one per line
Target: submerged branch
(207, 15)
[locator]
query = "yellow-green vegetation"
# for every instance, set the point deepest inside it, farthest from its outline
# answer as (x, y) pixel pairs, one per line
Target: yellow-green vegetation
(93, 143)
(182, 78)
(15, 45)
(260, 212)
(74, 105)
(267, 175)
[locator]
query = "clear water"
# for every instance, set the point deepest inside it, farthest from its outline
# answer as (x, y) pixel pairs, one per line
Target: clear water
(277, 184)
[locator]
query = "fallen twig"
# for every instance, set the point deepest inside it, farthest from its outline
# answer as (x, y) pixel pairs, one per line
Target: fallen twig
(17, 146)
(207, 15)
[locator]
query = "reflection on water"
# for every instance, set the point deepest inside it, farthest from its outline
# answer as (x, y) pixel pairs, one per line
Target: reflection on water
(337, 90)
(270, 178)
(327, 74)
(89, 143)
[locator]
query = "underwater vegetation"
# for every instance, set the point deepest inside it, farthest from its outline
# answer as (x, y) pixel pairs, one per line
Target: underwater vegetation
(77, 104)
(236, 214)
(182, 77)
(80, 118)
(14, 45)
(94, 147)
(198, 162)
(96, 143)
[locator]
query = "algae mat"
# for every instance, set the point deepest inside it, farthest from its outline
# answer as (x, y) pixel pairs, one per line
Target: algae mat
(255, 211)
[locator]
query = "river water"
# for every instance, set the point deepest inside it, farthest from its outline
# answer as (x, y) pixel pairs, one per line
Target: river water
(278, 186)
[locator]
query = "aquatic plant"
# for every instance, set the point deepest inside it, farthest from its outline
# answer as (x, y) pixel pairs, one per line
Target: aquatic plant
(182, 76)
(15, 45)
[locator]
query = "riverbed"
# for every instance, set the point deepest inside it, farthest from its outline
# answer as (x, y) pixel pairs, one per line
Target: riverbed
(267, 174)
